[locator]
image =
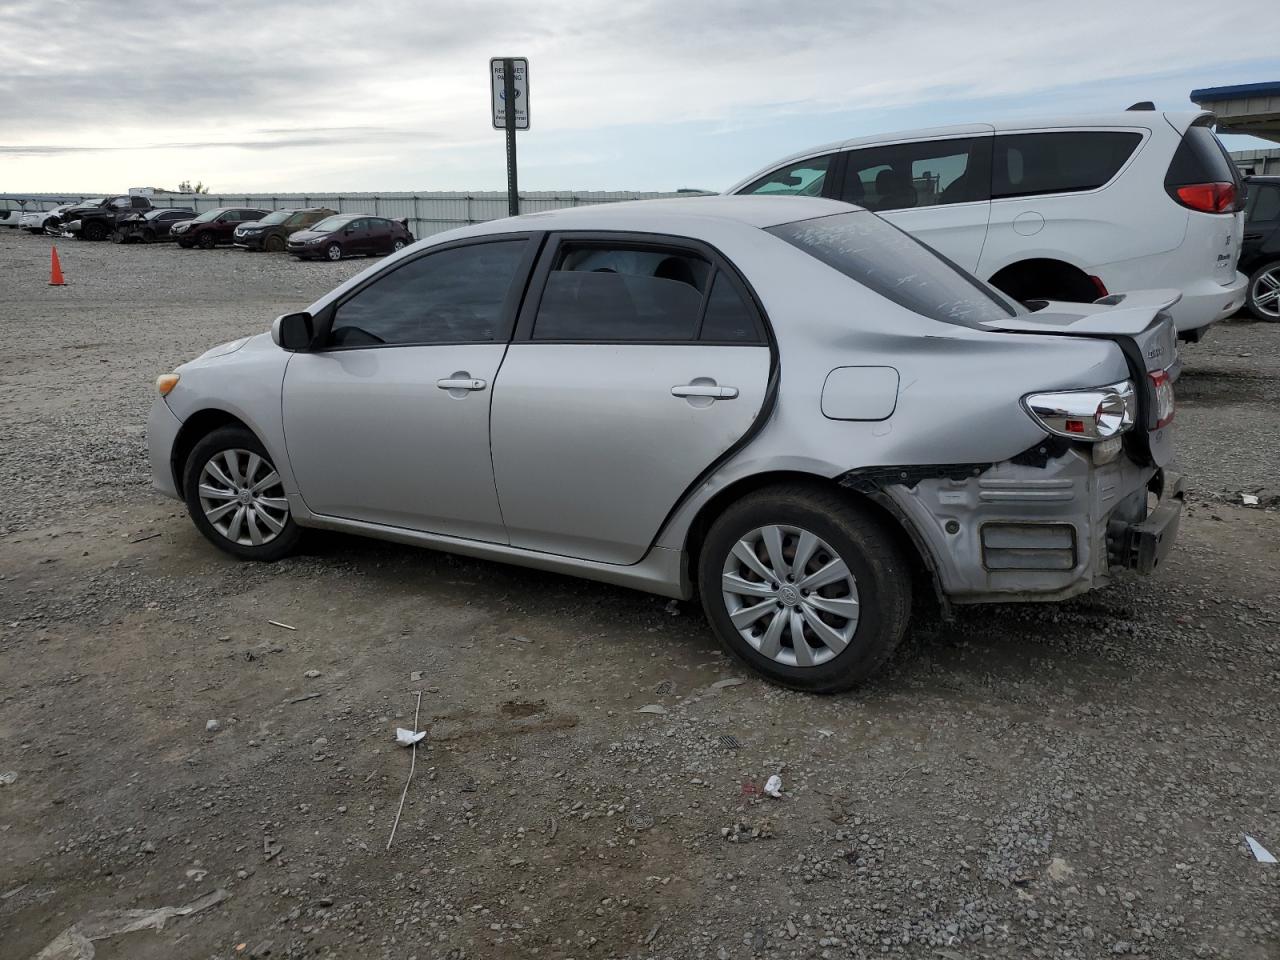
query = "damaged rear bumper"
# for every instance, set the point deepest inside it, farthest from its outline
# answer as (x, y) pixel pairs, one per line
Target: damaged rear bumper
(1038, 528)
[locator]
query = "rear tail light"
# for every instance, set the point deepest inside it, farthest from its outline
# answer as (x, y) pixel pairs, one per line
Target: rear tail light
(1090, 415)
(1164, 398)
(1218, 197)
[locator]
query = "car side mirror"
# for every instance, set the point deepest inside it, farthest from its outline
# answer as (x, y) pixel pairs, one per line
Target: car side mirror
(293, 331)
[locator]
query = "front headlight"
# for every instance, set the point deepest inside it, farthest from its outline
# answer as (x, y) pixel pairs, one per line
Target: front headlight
(316, 240)
(1098, 413)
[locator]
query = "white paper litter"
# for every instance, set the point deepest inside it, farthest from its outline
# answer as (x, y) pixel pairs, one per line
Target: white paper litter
(76, 942)
(1248, 499)
(1260, 853)
(773, 787)
(407, 738)
(8, 778)
(727, 682)
(654, 708)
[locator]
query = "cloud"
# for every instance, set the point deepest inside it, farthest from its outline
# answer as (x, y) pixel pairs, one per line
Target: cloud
(402, 85)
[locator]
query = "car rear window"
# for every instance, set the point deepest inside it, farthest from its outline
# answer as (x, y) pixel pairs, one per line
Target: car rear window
(1025, 164)
(1200, 158)
(897, 266)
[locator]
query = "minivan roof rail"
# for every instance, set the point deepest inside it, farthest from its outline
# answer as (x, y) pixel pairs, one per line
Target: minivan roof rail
(1141, 105)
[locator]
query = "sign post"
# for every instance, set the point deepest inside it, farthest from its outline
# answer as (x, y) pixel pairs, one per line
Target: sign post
(509, 87)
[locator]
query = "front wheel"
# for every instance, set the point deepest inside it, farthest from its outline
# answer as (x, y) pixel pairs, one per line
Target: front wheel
(235, 496)
(117, 236)
(275, 244)
(94, 231)
(207, 241)
(333, 251)
(805, 587)
(1264, 292)
(148, 235)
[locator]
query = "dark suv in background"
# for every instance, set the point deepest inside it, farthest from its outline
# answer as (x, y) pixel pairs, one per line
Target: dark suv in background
(1260, 253)
(214, 226)
(272, 231)
(96, 219)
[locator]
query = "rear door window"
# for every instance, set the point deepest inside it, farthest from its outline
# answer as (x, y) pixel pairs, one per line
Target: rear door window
(883, 258)
(1027, 164)
(922, 174)
(609, 293)
(804, 178)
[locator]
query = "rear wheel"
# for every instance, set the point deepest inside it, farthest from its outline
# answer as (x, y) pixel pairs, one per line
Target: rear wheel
(207, 240)
(235, 496)
(94, 231)
(398, 246)
(805, 587)
(1264, 292)
(275, 244)
(333, 251)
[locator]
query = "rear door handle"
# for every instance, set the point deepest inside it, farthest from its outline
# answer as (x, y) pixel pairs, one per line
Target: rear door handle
(460, 383)
(705, 390)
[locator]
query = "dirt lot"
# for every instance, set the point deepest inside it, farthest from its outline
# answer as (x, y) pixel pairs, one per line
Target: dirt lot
(1066, 781)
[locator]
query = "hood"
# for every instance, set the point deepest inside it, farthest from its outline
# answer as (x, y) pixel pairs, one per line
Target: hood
(221, 350)
(302, 236)
(179, 226)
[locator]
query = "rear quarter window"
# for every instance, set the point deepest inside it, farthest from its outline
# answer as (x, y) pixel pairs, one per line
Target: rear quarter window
(895, 265)
(1027, 164)
(1200, 158)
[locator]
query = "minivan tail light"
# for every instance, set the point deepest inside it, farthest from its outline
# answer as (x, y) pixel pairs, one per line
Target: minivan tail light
(1098, 413)
(1163, 385)
(1217, 197)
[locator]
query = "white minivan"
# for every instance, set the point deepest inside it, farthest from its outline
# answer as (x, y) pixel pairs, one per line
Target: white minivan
(1069, 209)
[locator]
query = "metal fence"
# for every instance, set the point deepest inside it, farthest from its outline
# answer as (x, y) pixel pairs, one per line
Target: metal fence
(427, 213)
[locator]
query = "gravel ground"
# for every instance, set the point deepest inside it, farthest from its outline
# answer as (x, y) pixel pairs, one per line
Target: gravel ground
(1069, 781)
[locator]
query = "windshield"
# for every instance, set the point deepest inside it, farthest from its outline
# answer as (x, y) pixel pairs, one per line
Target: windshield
(895, 265)
(279, 216)
(209, 215)
(98, 201)
(329, 224)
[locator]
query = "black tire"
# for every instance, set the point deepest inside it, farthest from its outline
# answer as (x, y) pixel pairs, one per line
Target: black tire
(398, 245)
(207, 240)
(216, 444)
(94, 231)
(857, 536)
(185, 244)
(333, 251)
(117, 236)
(148, 235)
(1257, 286)
(274, 244)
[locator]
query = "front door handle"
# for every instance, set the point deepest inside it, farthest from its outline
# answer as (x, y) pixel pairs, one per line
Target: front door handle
(705, 390)
(460, 381)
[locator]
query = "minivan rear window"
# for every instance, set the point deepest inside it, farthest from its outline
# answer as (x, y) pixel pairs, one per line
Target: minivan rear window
(1201, 158)
(895, 265)
(1025, 164)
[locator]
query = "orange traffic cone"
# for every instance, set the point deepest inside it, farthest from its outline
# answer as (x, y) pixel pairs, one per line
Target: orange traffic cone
(55, 271)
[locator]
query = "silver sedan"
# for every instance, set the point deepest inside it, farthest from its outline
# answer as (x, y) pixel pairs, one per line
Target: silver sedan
(784, 405)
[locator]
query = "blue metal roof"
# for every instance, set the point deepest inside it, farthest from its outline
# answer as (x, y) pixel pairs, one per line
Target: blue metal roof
(1210, 94)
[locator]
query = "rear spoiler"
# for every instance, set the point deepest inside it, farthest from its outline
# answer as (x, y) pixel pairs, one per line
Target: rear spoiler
(1123, 314)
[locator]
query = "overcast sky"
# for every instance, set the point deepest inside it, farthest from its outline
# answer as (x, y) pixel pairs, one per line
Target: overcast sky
(393, 95)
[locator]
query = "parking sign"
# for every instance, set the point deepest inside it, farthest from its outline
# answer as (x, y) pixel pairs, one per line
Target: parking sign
(497, 78)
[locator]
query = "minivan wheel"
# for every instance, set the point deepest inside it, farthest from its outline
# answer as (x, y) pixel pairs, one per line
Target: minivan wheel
(275, 244)
(333, 251)
(1264, 292)
(804, 587)
(207, 240)
(235, 496)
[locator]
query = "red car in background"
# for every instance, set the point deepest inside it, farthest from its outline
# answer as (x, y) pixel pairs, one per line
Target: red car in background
(213, 226)
(348, 235)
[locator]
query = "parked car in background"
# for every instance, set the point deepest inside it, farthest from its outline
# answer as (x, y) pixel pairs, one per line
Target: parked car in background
(150, 226)
(36, 221)
(350, 235)
(214, 227)
(272, 231)
(1260, 256)
(838, 409)
(96, 219)
(1059, 209)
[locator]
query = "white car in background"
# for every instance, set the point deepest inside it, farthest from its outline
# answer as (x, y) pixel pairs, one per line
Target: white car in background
(1066, 209)
(35, 221)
